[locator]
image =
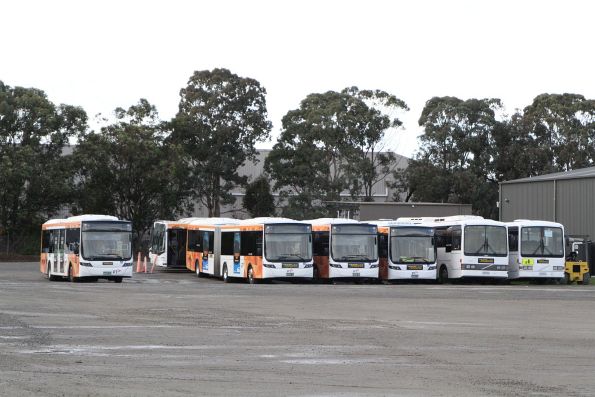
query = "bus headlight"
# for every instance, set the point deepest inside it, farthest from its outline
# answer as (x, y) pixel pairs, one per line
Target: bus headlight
(392, 267)
(432, 267)
(85, 264)
(269, 265)
(335, 265)
(373, 266)
(126, 264)
(308, 265)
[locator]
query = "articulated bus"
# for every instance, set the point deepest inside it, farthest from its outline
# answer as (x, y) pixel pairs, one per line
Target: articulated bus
(264, 248)
(86, 246)
(344, 248)
(203, 235)
(168, 244)
(470, 246)
(406, 250)
(536, 250)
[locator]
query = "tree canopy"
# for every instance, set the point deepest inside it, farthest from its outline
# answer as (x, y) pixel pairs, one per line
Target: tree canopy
(221, 117)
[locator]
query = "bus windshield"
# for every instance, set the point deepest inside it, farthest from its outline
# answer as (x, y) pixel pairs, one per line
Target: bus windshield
(486, 240)
(288, 243)
(105, 241)
(542, 241)
(354, 243)
(412, 245)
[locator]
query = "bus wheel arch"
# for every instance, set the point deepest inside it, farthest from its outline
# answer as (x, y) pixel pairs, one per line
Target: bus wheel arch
(225, 274)
(443, 274)
(250, 275)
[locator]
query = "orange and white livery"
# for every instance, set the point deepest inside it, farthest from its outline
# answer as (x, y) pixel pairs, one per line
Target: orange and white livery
(406, 250)
(86, 246)
(168, 244)
(265, 248)
(200, 244)
(344, 248)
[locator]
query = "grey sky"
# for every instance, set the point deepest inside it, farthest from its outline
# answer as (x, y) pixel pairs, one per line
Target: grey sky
(104, 54)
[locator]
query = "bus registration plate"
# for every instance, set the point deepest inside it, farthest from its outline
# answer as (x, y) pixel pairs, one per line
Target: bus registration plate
(356, 273)
(290, 273)
(289, 265)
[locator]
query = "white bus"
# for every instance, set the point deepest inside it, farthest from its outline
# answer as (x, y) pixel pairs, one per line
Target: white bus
(471, 246)
(536, 250)
(86, 246)
(406, 250)
(264, 248)
(344, 248)
(168, 244)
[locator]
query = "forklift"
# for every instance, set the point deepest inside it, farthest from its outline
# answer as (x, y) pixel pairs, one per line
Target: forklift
(578, 258)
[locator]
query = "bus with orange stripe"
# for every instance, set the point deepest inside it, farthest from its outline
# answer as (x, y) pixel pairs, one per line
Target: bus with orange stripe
(263, 249)
(200, 247)
(86, 247)
(168, 244)
(406, 250)
(344, 248)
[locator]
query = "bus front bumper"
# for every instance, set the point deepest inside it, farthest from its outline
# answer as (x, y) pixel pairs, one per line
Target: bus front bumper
(412, 274)
(345, 272)
(279, 272)
(105, 271)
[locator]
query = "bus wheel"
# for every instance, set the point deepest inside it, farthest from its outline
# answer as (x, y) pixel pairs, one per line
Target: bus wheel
(443, 275)
(251, 278)
(51, 277)
(117, 279)
(225, 275)
(71, 277)
(197, 269)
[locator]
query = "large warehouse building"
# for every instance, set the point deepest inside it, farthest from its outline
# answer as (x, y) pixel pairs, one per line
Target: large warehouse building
(564, 197)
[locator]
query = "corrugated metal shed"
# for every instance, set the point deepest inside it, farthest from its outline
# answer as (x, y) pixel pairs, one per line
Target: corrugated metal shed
(564, 197)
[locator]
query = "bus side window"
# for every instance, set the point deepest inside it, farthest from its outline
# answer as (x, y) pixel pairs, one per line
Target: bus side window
(227, 243)
(513, 239)
(455, 232)
(382, 245)
(73, 239)
(194, 241)
(211, 242)
(249, 245)
(440, 237)
(320, 243)
(45, 241)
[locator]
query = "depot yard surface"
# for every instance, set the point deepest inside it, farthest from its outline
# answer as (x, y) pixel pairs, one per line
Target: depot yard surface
(171, 333)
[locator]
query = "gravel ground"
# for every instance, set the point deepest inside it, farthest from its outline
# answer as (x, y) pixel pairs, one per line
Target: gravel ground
(171, 333)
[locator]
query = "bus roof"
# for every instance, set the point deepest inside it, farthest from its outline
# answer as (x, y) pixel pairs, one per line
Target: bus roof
(331, 221)
(530, 222)
(209, 221)
(268, 221)
(83, 218)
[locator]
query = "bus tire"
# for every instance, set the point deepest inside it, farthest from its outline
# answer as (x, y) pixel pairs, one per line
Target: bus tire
(225, 274)
(586, 278)
(197, 269)
(117, 280)
(51, 277)
(71, 277)
(251, 278)
(443, 275)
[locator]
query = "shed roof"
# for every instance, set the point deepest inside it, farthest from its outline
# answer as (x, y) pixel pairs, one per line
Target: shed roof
(573, 174)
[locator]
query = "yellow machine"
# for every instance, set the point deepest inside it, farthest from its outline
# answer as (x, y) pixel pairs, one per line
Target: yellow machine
(577, 263)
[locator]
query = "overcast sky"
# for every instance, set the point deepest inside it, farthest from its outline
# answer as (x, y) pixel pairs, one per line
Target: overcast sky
(105, 54)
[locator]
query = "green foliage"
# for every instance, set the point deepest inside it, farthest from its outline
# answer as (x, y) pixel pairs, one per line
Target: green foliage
(258, 199)
(221, 117)
(329, 145)
(34, 175)
(562, 127)
(127, 170)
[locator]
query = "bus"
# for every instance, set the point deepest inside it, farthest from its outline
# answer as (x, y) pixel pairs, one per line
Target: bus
(470, 246)
(344, 248)
(264, 249)
(200, 249)
(86, 247)
(406, 250)
(536, 250)
(168, 244)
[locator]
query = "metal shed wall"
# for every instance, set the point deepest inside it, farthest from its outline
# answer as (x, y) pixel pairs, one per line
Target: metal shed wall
(574, 205)
(527, 200)
(372, 211)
